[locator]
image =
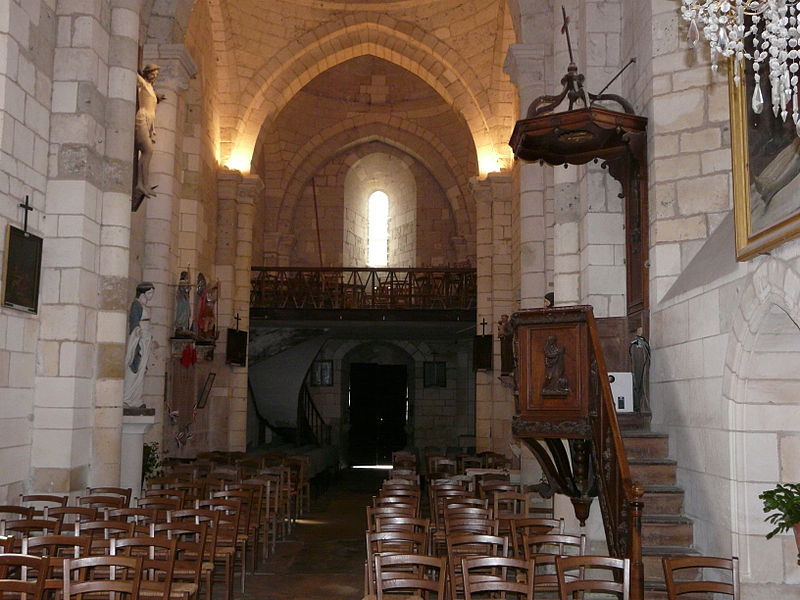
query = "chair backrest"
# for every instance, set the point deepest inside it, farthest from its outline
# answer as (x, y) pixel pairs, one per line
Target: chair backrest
(70, 514)
(57, 548)
(510, 504)
(102, 576)
(414, 524)
(158, 556)
(543, 549)
(102, 501)
(454, 526)
(30, 527)
(122, 492)
(488, 487)
(38, 502)
(532, 526)
(411, 575)
(209, 517)
(723, 572)
(391, 542)
(463, 545)
(585, 574)
(140, 516)
(15, 511)
(23, 575)
(487, 576)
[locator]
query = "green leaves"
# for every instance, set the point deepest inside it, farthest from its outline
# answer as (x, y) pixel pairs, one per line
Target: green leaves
(785, 500)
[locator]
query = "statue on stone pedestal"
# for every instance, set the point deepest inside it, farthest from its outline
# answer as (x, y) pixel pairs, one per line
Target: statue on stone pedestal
(140, 342)
(145, 131)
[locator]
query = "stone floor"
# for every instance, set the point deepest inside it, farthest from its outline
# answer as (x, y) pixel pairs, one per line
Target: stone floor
(323, 558)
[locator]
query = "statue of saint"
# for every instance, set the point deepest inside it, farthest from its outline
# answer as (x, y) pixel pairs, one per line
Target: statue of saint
(182, 309)
(145, 131)
(555, 384)
(505, 332)
(140, 341)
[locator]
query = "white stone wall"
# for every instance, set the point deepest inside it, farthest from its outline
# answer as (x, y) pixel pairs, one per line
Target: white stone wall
(25, 96)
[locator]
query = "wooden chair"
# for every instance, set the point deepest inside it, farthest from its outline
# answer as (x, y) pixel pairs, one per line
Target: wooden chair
(22, 575)
(582, 574)
(57, 548)
(102, 531)
(21, 528)
(248, 525)
(468, 545)
(158, 556)
(497, 577)
(102, 577)
(410, 575)
(210, 518)
(225, 544)
(268, 511)
(488, 487)
(543, 549)
(532, 526)
(390, 542)
(234, 515)
(725, 572)
(188, 571)
(124, 493)
(299, 465)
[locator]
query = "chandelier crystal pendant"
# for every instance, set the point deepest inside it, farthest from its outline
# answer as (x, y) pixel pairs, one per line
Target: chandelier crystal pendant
(761, 32)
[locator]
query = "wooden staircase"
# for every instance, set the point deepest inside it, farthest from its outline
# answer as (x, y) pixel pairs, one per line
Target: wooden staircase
(666, 531)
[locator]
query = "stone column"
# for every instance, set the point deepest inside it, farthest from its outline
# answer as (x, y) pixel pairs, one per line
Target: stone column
(161, 213)
(77, 403)
(494, 404)
(237, 195)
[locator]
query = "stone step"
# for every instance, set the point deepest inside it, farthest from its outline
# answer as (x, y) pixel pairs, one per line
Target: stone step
(645, 444)
(653, 471)
(667, 530)
(637, 421)
(663, 500)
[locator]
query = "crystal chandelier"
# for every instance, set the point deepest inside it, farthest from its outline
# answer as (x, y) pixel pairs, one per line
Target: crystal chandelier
(762, 32)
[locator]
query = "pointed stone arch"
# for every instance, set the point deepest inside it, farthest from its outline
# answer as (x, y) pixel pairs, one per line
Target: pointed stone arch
(382, 36)
(762, 409)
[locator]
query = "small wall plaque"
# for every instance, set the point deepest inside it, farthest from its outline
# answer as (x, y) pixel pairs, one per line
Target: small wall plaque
(22, 270)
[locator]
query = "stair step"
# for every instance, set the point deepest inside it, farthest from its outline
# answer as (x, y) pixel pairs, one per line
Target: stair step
(653, 471)
(663, 500)
(663, 530)
(638, 421)
(645, 444)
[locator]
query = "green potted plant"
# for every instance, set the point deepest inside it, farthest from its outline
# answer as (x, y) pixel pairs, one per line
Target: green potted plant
(152, 461)
(783, 501)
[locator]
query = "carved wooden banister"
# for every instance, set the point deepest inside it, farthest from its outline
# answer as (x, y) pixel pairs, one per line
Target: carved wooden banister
(565, 414)
(310, 419)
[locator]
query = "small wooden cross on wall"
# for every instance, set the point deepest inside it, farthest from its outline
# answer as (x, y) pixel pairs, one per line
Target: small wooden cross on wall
(27, 208)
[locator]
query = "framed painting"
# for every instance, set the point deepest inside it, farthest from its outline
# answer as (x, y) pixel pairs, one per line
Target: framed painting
(22, 270)
(765, 152)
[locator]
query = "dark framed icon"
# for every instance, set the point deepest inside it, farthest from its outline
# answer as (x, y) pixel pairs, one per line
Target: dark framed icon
(321, 373)
(434, 373)
(22, 271)
(236, 350)
(205, 391)
(482, 352)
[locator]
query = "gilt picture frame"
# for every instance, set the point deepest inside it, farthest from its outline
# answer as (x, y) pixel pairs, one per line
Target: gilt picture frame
(765, 153)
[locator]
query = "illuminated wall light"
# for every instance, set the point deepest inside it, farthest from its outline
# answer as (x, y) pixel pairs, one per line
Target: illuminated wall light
(239, 161)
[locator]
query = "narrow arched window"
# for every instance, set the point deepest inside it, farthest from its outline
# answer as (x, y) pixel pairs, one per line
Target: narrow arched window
(378, 218)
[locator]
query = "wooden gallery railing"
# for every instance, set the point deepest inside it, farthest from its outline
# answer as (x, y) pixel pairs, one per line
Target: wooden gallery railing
(363, 288)
(565, 414)
(309, 420)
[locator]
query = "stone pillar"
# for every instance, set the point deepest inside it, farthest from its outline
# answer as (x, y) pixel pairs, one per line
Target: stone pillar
(525, 64)
(78, 392)
(161, 213)
(494, 405)
(237, 195)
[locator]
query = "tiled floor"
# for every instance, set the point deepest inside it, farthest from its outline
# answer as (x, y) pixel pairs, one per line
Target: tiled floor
(323, 558)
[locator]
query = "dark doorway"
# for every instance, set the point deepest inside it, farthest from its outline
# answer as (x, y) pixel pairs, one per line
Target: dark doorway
(378, 400)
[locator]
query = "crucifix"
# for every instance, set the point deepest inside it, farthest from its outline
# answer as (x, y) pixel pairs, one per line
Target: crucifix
(28, 208)
(237, 318)
(483, 327)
